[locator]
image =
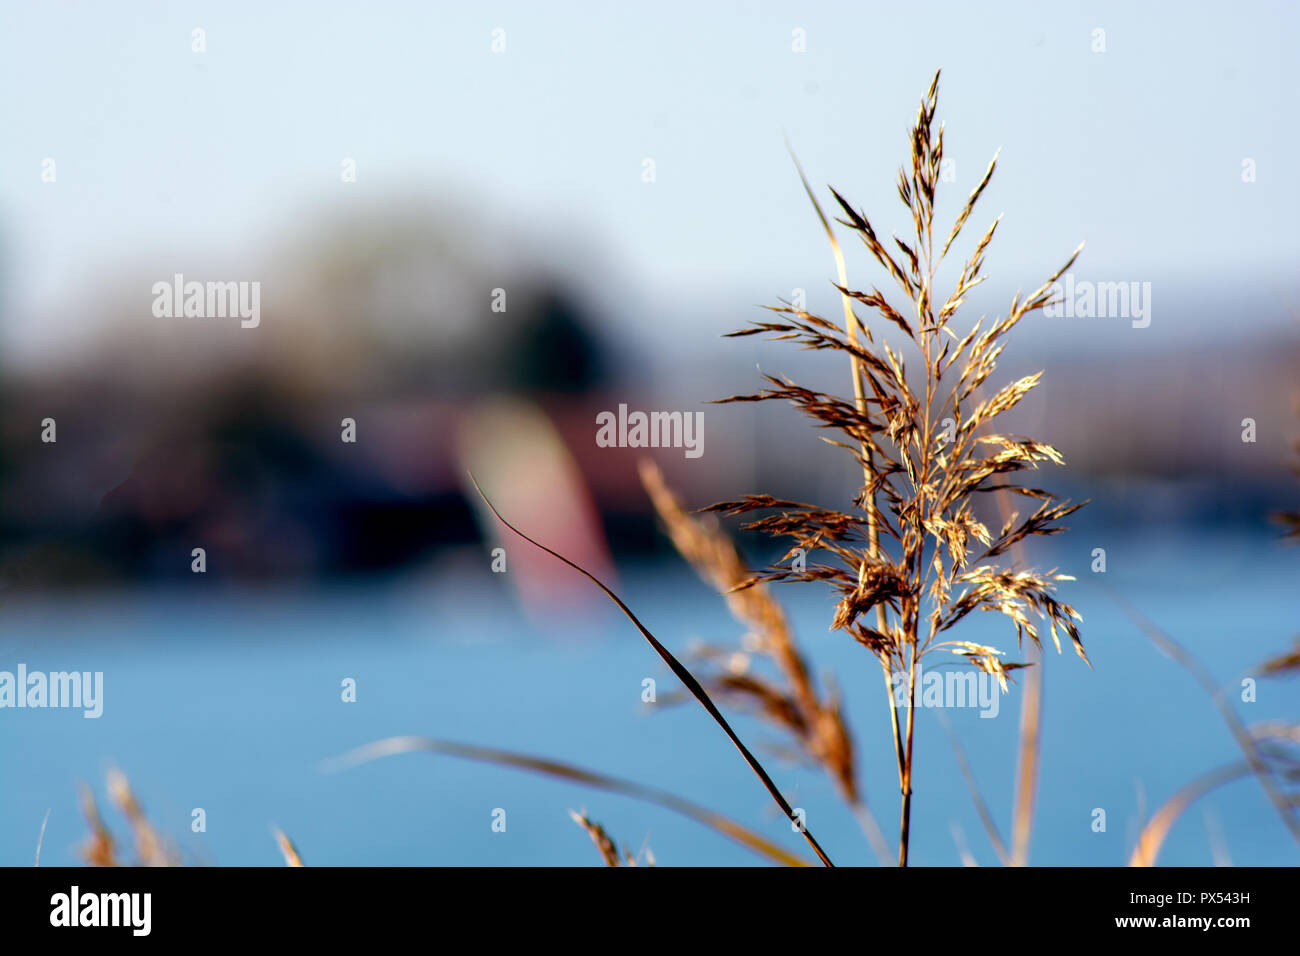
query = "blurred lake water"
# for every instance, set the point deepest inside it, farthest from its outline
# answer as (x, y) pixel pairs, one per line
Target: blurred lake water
(231, 702)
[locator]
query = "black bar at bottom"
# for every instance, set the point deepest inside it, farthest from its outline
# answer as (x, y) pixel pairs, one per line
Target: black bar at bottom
(321, 905)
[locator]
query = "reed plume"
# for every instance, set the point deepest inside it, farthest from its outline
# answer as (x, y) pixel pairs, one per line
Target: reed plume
(912, 548)
(101, 848)
(605, 845)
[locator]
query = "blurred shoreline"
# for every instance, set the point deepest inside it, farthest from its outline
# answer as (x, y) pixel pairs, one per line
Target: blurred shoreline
(256, 470)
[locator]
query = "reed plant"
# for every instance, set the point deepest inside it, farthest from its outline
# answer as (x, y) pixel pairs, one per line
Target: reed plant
(910, 557)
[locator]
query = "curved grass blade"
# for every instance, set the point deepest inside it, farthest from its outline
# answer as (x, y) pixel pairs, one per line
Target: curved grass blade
(1153, 834)
(554, 768)
(685, 676)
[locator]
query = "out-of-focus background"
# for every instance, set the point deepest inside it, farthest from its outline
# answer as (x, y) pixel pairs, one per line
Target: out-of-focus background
(474, 229)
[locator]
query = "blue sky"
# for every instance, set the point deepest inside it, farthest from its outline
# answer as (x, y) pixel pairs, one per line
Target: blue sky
(158, 149)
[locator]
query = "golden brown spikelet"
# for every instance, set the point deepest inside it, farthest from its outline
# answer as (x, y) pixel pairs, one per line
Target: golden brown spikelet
(609, 851)
(149, 847)
(101, 849)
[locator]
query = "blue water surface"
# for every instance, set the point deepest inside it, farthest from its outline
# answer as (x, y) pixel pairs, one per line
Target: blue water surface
(230, 701)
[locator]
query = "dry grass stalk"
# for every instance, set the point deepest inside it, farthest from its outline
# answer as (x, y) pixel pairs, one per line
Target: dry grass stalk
(913, 549)
(795, 704)
(605, 844)
(101, 847)
(1028, 752)
(287, 849)
(149, 847)
(798, 707)
(40, 840)
(963, 848)
(1029, 742)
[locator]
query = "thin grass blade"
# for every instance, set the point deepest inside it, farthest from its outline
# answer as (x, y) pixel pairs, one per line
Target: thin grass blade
(741, 834)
